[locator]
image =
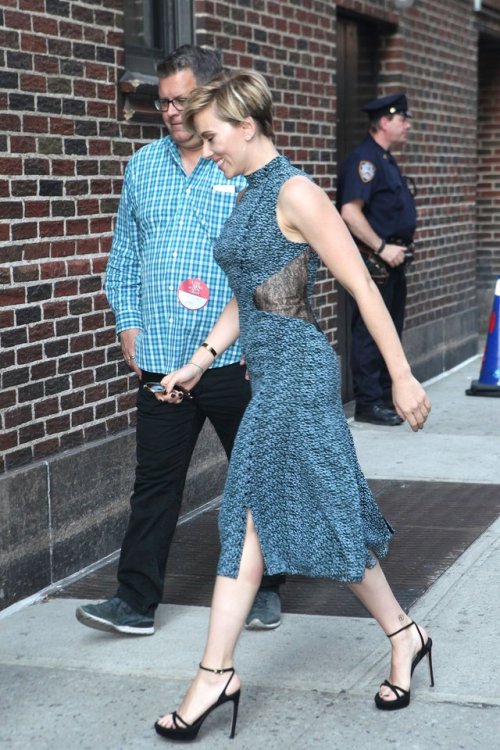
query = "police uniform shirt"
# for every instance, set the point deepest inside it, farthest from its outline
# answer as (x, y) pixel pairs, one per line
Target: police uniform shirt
(371, 174)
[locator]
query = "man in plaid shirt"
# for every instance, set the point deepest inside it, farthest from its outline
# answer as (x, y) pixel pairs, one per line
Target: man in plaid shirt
(166, 291)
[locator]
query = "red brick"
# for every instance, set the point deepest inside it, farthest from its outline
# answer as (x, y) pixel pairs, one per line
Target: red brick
(57, 425)
(81, 343)
(6, 318)
(17, 416)
(101, 225)
(77, 226)
(11, 210)
(69, 30)
(46, 407)
(55, 309)
(99, 264)
(35, 124)
(60, 126)
(45, 448)
(24, 231)
(12, 297)
(34, 83)
(11, 166)
(65, 288)
(63, 168)
(78, 267)
(62, 249)
(8, 440)
(41, 331)
(17, 21)
(72, 400)
(45, 25)
(52, 270)
(51, 228)
(27, 354)
(86, 246)
(46, 64)
(80, 379)
(85, 89)
(36, 209)
(100, 302)
(36, 250)
(7, 398)
(96, 72)
(82, 416)
(26, 273)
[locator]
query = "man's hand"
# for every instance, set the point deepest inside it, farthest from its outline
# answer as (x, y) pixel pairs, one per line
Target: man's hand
(394, 255)
(127, 341)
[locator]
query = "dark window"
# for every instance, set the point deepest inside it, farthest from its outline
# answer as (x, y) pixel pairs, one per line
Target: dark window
(152, 29)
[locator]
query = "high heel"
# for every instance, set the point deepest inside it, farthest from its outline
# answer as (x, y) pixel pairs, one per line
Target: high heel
(403, 696)
(188, 732)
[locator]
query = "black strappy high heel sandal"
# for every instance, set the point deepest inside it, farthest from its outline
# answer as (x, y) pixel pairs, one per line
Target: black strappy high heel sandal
(403, 696)
(188, 732)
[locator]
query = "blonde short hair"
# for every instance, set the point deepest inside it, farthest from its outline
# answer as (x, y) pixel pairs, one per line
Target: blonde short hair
(236, 96)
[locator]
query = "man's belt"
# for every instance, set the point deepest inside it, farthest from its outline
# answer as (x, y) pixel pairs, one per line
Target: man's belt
(377, 267)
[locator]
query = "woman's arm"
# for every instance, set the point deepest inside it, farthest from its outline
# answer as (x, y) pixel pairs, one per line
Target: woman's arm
(221, 337)
(306, 214)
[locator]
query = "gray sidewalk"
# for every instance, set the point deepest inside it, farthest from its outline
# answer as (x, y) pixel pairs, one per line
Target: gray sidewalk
(309, 684)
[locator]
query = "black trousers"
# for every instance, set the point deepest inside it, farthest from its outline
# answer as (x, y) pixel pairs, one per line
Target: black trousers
(371, 380)
(166, 437)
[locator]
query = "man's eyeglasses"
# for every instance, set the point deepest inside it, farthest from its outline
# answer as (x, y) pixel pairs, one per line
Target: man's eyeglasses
(162, 104)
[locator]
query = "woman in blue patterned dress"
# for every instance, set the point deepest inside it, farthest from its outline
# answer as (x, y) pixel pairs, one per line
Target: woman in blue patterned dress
(295, 499)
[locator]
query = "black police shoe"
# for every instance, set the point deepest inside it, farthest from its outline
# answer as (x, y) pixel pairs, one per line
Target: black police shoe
(378, 414)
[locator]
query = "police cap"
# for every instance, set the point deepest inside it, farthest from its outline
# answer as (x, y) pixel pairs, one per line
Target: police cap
(394, 104)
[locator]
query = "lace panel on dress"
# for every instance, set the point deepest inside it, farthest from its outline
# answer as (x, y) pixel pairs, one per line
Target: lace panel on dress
(285, 293)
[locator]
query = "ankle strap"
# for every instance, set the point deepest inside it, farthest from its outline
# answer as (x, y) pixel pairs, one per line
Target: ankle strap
(216, 671)
(405, 627)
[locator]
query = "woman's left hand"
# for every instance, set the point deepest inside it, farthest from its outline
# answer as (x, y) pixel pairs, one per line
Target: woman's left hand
(411, 402)
(187, 377)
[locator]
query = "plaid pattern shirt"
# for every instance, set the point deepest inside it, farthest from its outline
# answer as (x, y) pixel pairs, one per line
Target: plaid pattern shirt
(161, 267)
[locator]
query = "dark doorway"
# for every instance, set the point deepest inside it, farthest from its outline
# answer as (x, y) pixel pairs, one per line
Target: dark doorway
(357, 76)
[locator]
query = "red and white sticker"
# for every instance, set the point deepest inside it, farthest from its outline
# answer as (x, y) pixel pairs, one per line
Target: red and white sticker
(193, 294)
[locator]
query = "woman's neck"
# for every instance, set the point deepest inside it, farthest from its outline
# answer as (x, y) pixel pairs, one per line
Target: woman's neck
(263, 152)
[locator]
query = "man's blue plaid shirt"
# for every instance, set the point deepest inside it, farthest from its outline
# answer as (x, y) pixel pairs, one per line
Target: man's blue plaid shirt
(165, 231)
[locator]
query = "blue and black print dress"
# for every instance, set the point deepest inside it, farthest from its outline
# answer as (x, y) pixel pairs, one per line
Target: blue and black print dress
(293, 464)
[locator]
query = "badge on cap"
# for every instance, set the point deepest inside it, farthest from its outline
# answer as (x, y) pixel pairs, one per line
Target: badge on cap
(193, 294)
(366, 170)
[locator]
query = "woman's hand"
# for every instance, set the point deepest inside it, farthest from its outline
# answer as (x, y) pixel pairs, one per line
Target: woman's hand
(187, 376)
(410, 401)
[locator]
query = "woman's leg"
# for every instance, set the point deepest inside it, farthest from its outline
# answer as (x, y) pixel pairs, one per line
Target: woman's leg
(376, 594)
(231, 602)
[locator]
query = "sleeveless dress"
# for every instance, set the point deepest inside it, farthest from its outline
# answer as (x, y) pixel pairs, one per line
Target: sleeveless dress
(293, 464)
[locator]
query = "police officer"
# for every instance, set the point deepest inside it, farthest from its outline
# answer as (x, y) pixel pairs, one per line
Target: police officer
(375, 201)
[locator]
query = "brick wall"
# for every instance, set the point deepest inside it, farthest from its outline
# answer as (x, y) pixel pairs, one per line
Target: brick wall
(292, 44)
(488, 185)
(61, 161)
(66, 398)
(63, 380)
